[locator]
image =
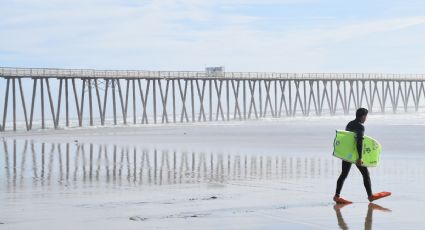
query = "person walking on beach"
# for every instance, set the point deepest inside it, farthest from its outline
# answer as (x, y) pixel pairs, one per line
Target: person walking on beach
(357, 127)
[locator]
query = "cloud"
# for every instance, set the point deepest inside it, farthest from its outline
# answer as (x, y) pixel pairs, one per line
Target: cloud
(176, 34)
(362, 29)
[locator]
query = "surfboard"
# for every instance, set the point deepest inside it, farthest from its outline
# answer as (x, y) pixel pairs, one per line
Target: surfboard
(345, 148)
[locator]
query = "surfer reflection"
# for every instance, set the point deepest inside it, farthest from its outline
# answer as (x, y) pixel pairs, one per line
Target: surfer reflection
(368, 220)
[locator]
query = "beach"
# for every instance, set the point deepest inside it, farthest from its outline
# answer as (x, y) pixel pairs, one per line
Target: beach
(265, 174)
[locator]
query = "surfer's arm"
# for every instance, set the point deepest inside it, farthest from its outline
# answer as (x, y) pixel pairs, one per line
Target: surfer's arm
(359, 138)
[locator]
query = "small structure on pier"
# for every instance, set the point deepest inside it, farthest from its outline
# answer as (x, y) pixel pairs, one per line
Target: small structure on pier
(217, 71)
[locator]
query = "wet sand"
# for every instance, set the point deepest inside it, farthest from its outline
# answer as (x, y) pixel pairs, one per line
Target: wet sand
(252, 175)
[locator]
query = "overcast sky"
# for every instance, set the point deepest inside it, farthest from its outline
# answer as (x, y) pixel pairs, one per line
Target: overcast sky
(242, 35)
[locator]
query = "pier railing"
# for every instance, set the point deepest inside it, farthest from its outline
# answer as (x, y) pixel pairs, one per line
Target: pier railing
(6, 72)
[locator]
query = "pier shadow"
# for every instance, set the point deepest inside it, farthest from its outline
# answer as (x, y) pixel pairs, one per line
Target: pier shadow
(369, 215)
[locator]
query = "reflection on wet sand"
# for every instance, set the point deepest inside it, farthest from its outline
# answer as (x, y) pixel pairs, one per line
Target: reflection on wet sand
(102, 182)
(72, 162)
(368, 220)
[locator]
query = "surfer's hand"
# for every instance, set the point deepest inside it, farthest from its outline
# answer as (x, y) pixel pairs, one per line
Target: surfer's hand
(359, 162)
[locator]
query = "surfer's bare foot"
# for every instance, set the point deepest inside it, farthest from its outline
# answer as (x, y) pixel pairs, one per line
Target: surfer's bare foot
(378, 207)
(340, 200)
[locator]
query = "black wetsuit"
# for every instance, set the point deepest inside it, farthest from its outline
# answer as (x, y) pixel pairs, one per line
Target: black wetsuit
(356, 127)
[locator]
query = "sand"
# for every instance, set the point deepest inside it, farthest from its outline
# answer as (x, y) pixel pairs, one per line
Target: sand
(269, 174)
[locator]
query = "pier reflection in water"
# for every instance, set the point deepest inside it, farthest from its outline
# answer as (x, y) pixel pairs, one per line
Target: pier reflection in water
(44, 163)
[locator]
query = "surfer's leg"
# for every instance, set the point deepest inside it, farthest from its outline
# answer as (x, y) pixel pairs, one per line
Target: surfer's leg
(346, 166)
(366, 179)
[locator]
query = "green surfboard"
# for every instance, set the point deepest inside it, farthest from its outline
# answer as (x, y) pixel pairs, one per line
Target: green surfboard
(345, 148)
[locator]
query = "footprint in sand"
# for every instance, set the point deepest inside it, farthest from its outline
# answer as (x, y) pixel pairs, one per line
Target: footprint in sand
(138, 218)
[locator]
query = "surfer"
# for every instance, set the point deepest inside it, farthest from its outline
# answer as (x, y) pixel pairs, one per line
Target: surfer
(357, 127)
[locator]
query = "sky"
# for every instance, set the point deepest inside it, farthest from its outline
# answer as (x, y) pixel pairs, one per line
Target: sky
(242, 35)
